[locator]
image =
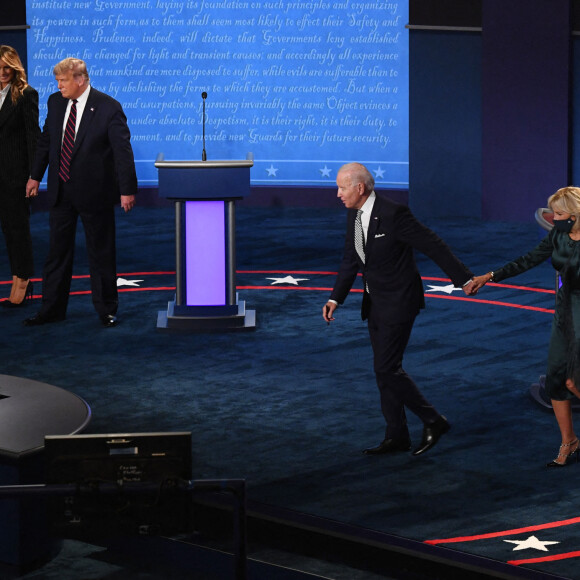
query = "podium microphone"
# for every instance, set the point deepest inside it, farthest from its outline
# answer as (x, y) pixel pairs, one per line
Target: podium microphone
(203, 153)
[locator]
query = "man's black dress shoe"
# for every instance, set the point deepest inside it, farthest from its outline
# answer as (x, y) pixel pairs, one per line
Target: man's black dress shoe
(39, 319)
(389, 446)
(432, 434)
(108, 320)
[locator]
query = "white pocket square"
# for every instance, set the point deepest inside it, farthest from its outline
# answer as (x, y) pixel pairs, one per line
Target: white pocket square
(380, 235)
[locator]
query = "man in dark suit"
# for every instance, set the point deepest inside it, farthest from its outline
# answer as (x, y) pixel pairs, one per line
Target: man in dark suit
(85, 144)
(392, 298)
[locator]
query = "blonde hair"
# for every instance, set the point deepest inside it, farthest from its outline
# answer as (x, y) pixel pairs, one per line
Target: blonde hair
(19, 83)
(76, 66)
(567, 200)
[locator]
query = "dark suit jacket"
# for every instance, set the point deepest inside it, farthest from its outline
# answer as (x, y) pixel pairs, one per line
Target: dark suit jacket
(102, 164)
(19, 133)
(394, 282)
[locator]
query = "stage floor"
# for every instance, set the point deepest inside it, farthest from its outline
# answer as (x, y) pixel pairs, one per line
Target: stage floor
(290, 406)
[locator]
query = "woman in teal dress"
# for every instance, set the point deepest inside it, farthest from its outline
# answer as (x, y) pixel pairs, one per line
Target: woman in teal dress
(562, 245)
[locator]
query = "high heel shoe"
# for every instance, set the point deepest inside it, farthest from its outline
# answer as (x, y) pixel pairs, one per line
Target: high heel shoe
(564, 459)
(21, 290)
(13, 289)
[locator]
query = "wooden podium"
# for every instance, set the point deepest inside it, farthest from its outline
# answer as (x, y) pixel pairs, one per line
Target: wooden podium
(205, 193)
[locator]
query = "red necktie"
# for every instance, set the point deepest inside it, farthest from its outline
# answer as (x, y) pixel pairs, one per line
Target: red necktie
(68, 143)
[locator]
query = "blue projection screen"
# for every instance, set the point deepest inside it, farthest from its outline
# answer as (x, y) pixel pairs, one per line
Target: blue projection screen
(302, 87)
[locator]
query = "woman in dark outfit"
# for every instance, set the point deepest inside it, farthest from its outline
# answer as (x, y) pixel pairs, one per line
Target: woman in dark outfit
(19, 131)
(562, 245)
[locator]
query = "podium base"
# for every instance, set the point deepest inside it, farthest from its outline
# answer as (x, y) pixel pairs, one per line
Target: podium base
(214, 318)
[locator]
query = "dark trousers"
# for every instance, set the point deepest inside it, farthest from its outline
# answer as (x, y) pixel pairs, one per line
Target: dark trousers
(397, 389)
(15, 223)
(99, 227)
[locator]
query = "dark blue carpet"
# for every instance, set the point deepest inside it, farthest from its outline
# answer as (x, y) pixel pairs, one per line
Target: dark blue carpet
(290, 406)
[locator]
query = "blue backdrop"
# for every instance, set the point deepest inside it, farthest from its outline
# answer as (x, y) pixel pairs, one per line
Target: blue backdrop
(302, 86)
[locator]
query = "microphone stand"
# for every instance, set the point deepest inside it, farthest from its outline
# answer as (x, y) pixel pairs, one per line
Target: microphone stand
(203, 153)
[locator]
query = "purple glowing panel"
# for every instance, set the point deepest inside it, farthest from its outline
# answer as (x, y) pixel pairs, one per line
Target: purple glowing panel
(205, 253)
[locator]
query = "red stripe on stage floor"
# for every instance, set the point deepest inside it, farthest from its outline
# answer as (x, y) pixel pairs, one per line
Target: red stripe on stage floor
(323, 289)
(288, 288)
(144, 289)
(319, 288)
(493, 302)
(322, 273)
(553, 558)
(145, 274)
(497, 285)
(513, 532)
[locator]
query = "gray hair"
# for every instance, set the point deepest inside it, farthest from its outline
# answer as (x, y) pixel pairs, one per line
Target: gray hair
(359, 174)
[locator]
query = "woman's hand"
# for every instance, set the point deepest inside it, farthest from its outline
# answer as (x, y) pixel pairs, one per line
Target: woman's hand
(480, 281)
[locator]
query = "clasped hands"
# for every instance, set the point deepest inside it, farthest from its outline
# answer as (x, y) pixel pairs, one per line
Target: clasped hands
(470, 289)
(476, 283)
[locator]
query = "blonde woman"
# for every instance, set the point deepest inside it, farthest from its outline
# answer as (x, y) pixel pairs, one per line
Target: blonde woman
(19, 133)
(562, 245)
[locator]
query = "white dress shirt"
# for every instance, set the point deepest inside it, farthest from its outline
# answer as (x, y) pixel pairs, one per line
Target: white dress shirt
(3, 93)
(81, 103)
(365, 216)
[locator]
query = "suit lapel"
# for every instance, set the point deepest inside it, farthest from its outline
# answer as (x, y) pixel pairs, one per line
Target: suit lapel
(86, 120)
(61, 118)
(7, 109)
(373, 227)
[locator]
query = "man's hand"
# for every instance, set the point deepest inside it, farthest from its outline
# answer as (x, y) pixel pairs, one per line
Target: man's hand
(479, 281)
(469, 288)
(127, 202)
(32, 188)
(328, 310)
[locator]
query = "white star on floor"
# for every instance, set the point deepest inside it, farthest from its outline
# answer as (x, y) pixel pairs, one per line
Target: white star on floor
(287, 280)
(124, 282)
(447, 289)
(531, 543)
(325, 171)
(272, 171)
